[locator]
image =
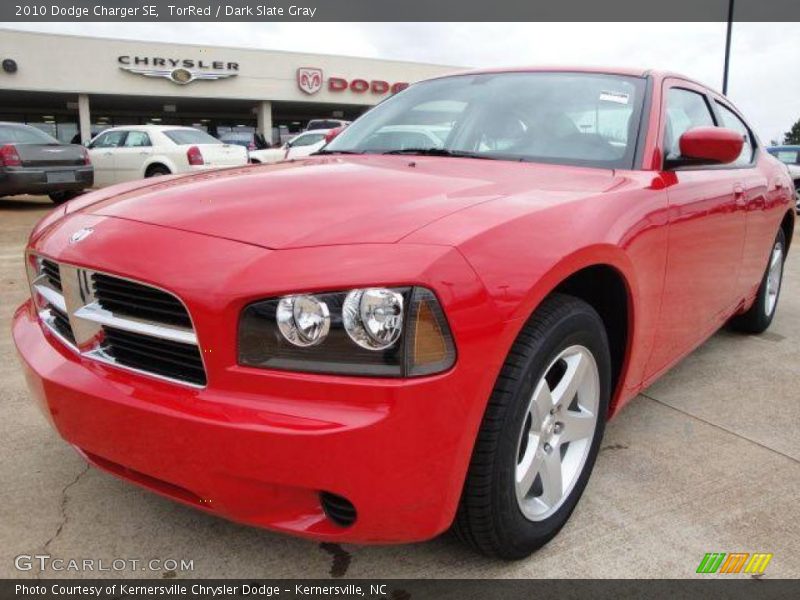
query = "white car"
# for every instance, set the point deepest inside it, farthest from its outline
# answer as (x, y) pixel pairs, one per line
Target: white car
(136, 151)
(299, 146)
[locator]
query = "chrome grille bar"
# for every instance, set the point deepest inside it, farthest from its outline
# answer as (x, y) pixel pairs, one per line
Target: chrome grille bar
(164, 348)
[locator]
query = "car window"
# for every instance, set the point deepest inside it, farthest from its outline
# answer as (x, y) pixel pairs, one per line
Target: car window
(16, 134)
(731, 121)
(307, 140)
(685, 109)
(190, 136)
(321, 124)
(137, 139)
(589, 119)
(109, 139)
(790, 157)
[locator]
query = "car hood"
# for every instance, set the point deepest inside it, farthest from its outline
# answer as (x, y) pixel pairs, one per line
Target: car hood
(336, 200)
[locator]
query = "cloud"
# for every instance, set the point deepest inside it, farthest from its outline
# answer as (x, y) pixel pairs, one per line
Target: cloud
(763, 78)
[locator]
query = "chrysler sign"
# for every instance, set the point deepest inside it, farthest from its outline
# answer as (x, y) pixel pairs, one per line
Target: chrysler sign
(310, 80)
(178, 70)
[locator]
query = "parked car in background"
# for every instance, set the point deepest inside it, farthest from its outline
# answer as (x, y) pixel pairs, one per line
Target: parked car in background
(137, 151)
(299, 146)
(248, 139)
(315, 124)
(790, 156)
(383, 342)
(32, 162)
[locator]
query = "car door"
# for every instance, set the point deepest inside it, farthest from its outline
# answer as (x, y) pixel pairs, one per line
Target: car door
(753, 187)
(131, 155)
(705, 233)
(102, 152)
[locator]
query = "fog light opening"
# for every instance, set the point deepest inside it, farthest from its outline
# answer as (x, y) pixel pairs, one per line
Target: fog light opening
(338, 509)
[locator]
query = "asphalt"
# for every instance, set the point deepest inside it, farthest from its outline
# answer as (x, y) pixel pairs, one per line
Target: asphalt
(706, 460)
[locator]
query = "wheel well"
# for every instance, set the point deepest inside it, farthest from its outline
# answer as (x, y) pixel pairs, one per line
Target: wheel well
(255, 161)
(155, 165)
(604, 288)
(788, 228)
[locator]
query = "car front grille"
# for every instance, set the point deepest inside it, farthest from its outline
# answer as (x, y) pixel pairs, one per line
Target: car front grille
(118, 321)
(152, 355)
(60, 322)
(131, 299)
(51, 271)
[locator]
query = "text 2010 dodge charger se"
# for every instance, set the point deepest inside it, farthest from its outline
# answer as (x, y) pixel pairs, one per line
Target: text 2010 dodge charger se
(405, 334)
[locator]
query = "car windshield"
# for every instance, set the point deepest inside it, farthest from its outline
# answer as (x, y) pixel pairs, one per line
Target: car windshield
(17, 134)
(588, 119)
(190, 136)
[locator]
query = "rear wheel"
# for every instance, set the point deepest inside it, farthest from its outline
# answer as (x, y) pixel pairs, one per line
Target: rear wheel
(759, 317)
(157, 171)
(540, 434)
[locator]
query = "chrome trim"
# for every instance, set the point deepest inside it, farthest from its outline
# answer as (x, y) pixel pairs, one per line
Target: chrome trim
(50, 294)
(97, 314)
(99, 355)
(87, 317)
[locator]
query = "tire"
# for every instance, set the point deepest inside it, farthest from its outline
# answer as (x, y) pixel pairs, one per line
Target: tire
(157, 171)
(61, 197)
(490, 517)
(759, 316)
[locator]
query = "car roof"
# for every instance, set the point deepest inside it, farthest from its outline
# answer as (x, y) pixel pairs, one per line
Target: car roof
(784, 147)
(150, 128)
(21, 125)
(622, 71)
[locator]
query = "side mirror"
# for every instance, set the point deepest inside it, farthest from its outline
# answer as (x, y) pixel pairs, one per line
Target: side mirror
(709, 146)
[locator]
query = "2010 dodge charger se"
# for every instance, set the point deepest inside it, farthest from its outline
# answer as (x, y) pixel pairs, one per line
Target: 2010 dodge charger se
(426, 325)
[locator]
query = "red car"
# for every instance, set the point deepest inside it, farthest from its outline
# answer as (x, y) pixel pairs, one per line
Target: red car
(425, 326)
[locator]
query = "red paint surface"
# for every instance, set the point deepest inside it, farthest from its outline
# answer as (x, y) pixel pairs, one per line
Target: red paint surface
(491, 238)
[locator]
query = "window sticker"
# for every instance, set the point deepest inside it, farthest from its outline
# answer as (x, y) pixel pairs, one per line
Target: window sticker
(615, 97)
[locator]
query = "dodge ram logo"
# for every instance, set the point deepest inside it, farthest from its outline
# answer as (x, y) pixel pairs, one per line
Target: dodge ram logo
(81, 234)
(309, 80)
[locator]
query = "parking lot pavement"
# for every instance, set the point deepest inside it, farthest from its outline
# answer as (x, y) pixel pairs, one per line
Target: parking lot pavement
(706, 460)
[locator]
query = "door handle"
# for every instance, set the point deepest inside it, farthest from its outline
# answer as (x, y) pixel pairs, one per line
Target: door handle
(108, 153)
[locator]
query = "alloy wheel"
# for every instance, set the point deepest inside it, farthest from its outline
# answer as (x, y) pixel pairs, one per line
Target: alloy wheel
(774, 276)
(557, 432)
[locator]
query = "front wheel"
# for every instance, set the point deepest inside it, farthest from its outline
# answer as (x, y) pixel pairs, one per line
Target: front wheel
(540, 434)
(759, 317)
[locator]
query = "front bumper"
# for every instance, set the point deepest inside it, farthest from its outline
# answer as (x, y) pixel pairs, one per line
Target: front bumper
(259, 446)
(261, 461)
(34, 180)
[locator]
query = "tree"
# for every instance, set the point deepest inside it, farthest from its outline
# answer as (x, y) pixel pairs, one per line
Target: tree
(793, 135)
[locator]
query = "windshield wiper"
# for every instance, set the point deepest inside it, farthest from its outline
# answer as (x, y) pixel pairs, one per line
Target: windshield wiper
(439, 152)
(323, 151)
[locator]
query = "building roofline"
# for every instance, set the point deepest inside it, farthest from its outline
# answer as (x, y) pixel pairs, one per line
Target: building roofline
(225, 47)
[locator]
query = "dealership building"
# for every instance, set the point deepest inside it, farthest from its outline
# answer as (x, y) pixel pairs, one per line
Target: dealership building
(73, 87)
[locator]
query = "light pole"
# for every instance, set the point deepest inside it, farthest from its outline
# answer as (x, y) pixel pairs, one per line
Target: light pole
(727, 49)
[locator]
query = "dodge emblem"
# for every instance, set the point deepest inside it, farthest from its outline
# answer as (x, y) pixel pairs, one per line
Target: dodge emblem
(81, 234)
(309, 79)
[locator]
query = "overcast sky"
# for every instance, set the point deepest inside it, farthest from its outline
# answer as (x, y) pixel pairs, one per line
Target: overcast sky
(765, 57)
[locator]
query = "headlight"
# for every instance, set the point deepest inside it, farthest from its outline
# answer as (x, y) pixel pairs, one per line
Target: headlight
(373, 318)
(303, 320)
(397, 332)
